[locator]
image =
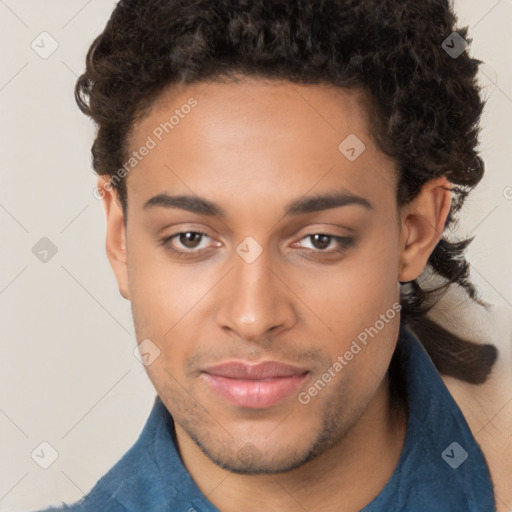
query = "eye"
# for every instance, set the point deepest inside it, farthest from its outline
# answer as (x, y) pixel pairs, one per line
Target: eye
(321, 242)
(187, 242)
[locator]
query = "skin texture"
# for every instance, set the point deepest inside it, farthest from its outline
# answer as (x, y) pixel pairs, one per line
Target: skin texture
(252, 148)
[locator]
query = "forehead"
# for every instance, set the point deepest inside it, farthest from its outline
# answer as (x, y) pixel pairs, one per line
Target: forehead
(275, 139)
(257, 103)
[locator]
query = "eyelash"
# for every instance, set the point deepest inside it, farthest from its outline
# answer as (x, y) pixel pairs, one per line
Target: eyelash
(345, 243)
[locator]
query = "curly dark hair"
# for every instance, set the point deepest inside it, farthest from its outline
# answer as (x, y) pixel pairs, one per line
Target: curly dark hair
(425, 105)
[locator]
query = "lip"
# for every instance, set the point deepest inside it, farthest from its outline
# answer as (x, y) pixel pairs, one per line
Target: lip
(254, 386)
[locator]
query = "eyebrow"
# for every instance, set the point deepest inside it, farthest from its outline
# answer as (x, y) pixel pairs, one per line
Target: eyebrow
(300, 206)
(189, 203)
(325, 202)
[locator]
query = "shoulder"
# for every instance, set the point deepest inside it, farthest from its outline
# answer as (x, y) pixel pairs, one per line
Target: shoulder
(108, 492)
(488, 410)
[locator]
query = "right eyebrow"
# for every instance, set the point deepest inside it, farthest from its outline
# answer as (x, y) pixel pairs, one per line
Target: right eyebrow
(190, 203)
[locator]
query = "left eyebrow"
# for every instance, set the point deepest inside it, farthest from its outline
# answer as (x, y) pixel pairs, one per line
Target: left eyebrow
(325, 202)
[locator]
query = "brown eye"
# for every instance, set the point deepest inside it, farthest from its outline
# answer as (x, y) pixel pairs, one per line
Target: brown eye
(190, 239)
(320, 241)
(324, 243)
(185, 243)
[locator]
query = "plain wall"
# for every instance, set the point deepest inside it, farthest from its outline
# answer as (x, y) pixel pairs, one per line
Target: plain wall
(67, 372)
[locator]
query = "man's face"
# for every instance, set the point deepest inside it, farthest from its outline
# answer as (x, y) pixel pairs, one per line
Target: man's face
(258, 285)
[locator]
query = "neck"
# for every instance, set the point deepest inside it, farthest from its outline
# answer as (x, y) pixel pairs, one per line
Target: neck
(349, 475)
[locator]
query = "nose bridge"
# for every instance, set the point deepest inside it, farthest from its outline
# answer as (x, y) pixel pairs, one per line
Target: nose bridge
(256, 300)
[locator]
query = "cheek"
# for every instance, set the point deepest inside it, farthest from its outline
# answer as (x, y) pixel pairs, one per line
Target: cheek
(163, 291)
(167, 299)
(352, 294)
(357, 303)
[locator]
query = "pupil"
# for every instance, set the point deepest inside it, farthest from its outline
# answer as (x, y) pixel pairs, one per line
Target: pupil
(324, 240)
(187, 239)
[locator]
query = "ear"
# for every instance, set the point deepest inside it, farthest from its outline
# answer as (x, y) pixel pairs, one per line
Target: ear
(422, 224)
(116, 234)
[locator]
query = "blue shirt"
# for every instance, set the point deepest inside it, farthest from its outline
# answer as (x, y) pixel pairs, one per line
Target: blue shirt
(441, 467)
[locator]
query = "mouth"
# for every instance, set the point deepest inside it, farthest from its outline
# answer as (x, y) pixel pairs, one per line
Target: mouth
(254, 386)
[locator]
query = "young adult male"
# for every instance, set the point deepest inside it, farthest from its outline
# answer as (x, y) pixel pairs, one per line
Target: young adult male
(277, 177)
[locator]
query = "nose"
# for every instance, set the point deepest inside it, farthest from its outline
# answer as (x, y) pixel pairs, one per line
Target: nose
(256, 300)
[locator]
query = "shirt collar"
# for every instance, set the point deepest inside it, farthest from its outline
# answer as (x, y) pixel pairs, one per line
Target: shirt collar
(433, 473)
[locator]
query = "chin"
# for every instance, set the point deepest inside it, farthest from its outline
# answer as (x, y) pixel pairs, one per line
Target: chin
(251, 460)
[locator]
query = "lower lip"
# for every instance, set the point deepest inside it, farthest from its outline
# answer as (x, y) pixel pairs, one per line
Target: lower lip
(255, 394)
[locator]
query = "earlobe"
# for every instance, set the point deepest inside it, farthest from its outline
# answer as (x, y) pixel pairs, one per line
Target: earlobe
(116, 235)
(423, 223)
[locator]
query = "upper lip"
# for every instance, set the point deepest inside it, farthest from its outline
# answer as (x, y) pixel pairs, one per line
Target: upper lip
(264, 370)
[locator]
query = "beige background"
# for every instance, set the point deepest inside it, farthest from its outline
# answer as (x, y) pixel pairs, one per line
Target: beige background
(67, 372)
